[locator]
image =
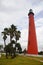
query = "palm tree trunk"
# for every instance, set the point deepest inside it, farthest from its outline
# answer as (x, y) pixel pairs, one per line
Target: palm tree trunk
(10, 39)
(15, 39)
(5, 50)
(4, 43)
(15, 45)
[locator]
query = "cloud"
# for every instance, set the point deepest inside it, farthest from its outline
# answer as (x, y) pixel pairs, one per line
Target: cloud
(40, 38)
(39, 32)
(16, 12)
(39, 23)
(39, 15)
(36, 6)
(24, 38)
(36, 2)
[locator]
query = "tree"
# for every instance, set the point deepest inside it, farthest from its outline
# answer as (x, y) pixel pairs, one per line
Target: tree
(13, 27)
(13, 33)
(13, 50)
(10, 49)
(4, 37)
(1, 47)
(17, 35)
(5, 33)
(19, 49)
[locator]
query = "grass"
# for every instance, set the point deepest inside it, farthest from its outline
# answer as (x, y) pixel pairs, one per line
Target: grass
(40, 58)
(20, 60)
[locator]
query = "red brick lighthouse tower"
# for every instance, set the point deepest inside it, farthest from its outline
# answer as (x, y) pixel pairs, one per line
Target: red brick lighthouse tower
(32, 41)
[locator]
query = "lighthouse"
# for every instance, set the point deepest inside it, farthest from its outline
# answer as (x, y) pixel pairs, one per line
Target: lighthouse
(32, 39)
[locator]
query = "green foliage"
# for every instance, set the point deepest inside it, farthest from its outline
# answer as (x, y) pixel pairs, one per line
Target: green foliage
(17, 35)
(13, 33)
(19, 47)
(1, 46)
(40, 53)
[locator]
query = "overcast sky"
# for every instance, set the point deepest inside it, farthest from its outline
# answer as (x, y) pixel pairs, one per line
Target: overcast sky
(16, 12)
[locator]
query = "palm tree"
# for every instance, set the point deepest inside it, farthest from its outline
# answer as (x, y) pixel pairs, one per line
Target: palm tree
(5, 33)
(10, 34)
(11, 31)
(17, 35)
(4, 37)
(13, 27)
(1, 47)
